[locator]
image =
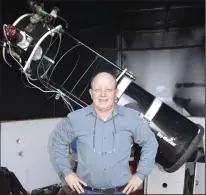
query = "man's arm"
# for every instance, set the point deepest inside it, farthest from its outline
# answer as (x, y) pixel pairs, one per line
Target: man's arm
(146, 139)
(60, 146)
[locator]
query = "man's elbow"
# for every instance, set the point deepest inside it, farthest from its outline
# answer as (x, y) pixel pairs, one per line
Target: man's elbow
(55, 144)
(155, 144)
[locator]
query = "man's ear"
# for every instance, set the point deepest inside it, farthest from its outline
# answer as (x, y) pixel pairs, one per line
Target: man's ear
(90, 92)
(117, 91)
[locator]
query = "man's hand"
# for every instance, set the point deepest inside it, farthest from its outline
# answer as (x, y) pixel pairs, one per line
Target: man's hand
(133, 184)
(74, 182)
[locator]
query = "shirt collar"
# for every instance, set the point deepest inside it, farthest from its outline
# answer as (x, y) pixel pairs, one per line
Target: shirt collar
(117, 110)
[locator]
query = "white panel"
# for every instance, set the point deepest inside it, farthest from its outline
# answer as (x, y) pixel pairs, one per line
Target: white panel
(33, 168)
(161, 182)
(157, 71)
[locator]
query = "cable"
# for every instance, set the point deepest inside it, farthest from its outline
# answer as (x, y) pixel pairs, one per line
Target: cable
(27, 75)
(71, 71)
(66, 23)
(24, 82)
(84, 73)
(130, 75)
(52, 64)
(61, 59)
(39, 87)
(51, 26)
(38, 66)
(89, 80)
(41, 65)
(4, 26)
(4, 56)
(69, 106)
(70, 94)
(14, 57)
(55, 55)
(30, 82)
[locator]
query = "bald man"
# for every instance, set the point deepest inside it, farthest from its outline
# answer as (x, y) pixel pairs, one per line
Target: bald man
(103, 131)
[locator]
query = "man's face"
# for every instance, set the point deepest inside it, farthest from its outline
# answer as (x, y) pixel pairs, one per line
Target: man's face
(103, 92)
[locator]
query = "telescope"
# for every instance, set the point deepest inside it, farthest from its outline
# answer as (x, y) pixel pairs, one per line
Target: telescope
(29, 43)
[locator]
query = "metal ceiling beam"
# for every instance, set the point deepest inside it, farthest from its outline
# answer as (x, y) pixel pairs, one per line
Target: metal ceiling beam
(151, 48)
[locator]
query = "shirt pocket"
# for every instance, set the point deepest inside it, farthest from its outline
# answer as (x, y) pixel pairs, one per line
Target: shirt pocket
(123, 141)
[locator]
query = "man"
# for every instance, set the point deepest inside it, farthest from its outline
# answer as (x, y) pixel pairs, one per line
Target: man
(104, 131)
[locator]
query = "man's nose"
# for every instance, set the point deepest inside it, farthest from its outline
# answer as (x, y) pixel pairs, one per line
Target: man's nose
(103, 93)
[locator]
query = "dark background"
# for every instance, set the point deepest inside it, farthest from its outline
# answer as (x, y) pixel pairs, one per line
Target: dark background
(126, 33)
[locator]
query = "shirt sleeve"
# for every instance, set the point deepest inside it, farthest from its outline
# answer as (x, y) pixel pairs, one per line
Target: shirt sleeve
(145, 138)
(63, 136)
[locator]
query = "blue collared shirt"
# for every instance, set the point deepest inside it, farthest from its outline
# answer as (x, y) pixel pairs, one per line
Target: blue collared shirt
(103, 159)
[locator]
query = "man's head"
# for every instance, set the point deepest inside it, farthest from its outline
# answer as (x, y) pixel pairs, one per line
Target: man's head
(104, 91)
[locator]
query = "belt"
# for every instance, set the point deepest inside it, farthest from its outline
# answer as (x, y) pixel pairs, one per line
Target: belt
(106, 190)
